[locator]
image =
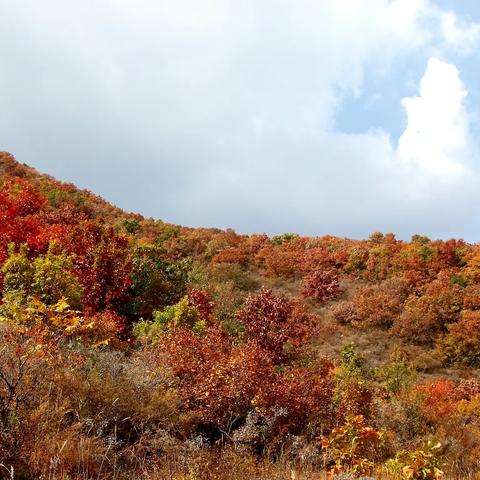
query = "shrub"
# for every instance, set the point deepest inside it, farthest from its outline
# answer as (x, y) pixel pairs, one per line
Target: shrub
(155, 281)
(353, 446)
(353, 388)
(181, 314)
(285, 260)
(279, 325)
(462, 344)
(396, 374)
(200, 300)
(219, 380)
(427, 316)
(380, 305)
(47, 278)
(438, 398)
(422, 464)
(322, 285)
(344, 312)
(302, 395)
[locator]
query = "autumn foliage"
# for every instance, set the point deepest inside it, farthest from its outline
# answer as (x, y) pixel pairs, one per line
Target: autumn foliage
(133, 348)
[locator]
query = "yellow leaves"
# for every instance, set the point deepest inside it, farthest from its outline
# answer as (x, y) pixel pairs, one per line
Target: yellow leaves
(58, 318)
(61, 305)
(101, 343)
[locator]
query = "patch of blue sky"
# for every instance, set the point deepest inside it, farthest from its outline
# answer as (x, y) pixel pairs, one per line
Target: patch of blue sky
(466, 9)
(377, 104)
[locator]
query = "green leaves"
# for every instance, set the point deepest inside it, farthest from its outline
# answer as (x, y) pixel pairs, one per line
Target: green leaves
(47, 278)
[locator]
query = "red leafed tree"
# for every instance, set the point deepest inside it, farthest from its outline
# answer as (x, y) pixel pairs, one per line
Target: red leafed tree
(277, 323)
(218, 380)
(439, 398)
(303, 394)
(322, 285)
(102, 264)
(201, 301)
(19, 204)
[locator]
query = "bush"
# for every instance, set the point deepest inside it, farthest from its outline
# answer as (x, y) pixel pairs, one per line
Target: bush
(344, 312)
(426, 316)
(353, 446)
(380, 305)
(279, 325)
(322, 285)
(462, 344)
(422, 464)
(181, 314)
(397, 374)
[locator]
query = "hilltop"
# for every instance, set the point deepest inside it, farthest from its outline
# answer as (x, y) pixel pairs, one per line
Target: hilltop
(136, 348)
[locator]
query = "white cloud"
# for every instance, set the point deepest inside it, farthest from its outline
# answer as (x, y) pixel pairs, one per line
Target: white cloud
(437, 138)
(461, 36)
(223, 112)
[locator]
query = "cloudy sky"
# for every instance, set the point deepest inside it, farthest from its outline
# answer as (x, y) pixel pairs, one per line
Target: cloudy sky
(314, 116)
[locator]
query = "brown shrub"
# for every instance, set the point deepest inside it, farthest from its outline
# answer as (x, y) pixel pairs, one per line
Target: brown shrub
(462, 344)
(379, 305)
(344, 312)
(426, 316)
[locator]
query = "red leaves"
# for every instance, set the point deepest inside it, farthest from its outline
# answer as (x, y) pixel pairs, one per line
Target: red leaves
(201, 301)
(274, 321)
(222, 380)
(303, 393)
(322, 285)
(19, 203)
(218, 379)
(102, 264)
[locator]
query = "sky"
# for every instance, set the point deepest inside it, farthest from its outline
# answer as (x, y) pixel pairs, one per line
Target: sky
(337, 117)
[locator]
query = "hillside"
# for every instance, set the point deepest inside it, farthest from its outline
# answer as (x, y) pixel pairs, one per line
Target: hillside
(135, 348)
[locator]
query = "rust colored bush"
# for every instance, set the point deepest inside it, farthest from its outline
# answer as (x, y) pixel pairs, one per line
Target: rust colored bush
(462, 344)
(202, 302)
(285, 260)
(344, 312)
(322, 285)
(426, 316)
(439, 398)
(279, 325)
(379, 305)
(299, 396)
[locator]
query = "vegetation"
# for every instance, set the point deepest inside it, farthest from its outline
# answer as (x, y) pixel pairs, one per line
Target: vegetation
(132, 348)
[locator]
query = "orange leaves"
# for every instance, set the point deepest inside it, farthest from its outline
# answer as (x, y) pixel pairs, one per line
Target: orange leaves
(439, 398)
(379, 305)
(426, 316)
(353, 446)
(462, 344)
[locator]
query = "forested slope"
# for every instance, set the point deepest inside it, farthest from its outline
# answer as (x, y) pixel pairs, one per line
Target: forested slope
(134, 348)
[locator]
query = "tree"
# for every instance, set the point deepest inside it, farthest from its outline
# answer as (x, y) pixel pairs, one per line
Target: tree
(155, 281)
(47, 278)
(279, 326)
(322, 285)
